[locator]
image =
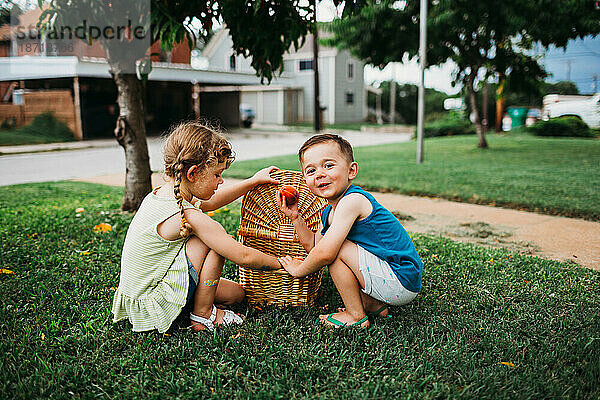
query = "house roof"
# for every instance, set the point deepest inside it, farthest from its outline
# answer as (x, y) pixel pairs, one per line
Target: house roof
(42, 67)
(214, 42)
(305, 49)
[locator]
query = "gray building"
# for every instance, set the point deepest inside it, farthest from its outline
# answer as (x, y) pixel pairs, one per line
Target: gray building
(290, 97)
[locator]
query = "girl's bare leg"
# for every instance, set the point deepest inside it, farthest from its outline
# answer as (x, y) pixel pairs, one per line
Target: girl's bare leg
(348, 280)
(229, 292)
(209, 281)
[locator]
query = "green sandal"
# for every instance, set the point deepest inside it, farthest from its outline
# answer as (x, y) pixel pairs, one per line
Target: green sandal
(376, 313)
(339, 324)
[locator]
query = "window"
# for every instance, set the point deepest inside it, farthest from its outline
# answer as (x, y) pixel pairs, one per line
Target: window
(349, 98)
(350, 71)
(306, 65)
(232, 62)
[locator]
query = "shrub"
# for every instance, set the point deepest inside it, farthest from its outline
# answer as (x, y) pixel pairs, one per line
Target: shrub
(562, 126)
(47, 125)
(448, 125)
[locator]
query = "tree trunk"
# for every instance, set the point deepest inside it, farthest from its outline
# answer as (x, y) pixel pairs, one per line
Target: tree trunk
(500, 101)
(473, 100)
(130, 132)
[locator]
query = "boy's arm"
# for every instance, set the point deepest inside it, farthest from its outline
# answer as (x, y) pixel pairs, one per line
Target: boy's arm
(348, 210)
(227, 194)
(308, 239)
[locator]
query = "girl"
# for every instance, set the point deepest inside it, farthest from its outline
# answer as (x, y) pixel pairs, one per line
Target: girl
(174, 253)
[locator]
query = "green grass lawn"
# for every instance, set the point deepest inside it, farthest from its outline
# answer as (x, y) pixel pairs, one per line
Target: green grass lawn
(19, 136)
(553, 176)
(488, 323)
(44, 128)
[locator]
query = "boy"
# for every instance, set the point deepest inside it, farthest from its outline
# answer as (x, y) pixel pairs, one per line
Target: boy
(371, 258)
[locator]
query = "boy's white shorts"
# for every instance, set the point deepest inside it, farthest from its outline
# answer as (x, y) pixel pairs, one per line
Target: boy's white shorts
(380, 281)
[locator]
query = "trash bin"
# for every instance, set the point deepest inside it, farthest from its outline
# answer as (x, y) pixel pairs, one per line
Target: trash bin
(518, 116)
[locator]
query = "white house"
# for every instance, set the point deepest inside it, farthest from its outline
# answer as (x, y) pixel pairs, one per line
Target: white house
(290, 98)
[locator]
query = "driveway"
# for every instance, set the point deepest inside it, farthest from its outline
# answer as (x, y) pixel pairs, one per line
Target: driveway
(109, 158)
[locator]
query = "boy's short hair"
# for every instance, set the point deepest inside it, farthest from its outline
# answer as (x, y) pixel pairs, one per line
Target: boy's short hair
(345, 147)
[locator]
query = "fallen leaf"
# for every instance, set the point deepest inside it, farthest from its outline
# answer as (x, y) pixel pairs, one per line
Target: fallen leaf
(84, 253)
(80, 210)
(6, 271)
(210, 213)
(43, 336)
(103, 227)
(238, 335)
(507, 363)
(167, 334)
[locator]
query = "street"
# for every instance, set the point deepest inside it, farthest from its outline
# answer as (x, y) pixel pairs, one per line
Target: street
(85, 163)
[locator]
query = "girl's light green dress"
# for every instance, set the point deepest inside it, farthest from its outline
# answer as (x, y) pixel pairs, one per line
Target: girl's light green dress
(154, 279)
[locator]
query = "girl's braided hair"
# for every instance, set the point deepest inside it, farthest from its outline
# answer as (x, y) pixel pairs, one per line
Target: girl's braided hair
(193, 143)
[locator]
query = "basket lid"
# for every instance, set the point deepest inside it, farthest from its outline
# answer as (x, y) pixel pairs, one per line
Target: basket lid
(261, 216)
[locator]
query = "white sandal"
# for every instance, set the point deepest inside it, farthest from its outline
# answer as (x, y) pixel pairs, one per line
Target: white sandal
(229, 318)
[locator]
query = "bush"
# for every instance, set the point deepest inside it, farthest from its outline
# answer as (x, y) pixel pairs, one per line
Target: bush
(448, 125)
(47, 125)
(562, 126)
(45, 128)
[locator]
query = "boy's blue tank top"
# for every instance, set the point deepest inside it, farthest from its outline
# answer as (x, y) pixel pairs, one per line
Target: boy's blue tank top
(381, 234)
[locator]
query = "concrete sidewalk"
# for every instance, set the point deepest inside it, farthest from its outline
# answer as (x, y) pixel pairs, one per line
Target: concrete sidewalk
(550, 237)
(39, 148)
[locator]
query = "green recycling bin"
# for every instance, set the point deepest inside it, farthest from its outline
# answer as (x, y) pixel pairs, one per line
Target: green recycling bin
(518, 116)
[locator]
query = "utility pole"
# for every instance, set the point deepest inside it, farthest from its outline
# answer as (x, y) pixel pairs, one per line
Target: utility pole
(393, 95)
(422, 62)
(317, 100)
(485, 120)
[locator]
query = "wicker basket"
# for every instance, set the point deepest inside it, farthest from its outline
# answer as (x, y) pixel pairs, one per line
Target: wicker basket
(264, 227)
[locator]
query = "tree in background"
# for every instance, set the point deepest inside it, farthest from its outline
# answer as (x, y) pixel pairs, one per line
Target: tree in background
(8, 8)
(483, 38)
(260, 29)
(406, 101)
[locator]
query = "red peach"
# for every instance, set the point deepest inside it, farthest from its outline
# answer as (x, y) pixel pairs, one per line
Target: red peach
(290, 193)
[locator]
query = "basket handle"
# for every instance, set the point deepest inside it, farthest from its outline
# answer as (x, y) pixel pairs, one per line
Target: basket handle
(255, 232)
(285, 233)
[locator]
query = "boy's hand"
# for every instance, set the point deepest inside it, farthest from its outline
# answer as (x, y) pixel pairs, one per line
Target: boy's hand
(290, 211)
(264, 176)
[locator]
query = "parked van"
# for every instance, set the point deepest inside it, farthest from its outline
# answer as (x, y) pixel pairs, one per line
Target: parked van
(587, 108)
(247, 115)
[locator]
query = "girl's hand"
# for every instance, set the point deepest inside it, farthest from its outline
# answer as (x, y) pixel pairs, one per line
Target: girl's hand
(264, 176)
(290, 264)
(289, 211)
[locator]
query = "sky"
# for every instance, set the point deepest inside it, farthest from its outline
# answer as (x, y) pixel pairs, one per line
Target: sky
(580, 63)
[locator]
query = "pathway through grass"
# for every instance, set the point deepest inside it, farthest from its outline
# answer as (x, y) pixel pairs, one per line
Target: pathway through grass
(488, 324)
